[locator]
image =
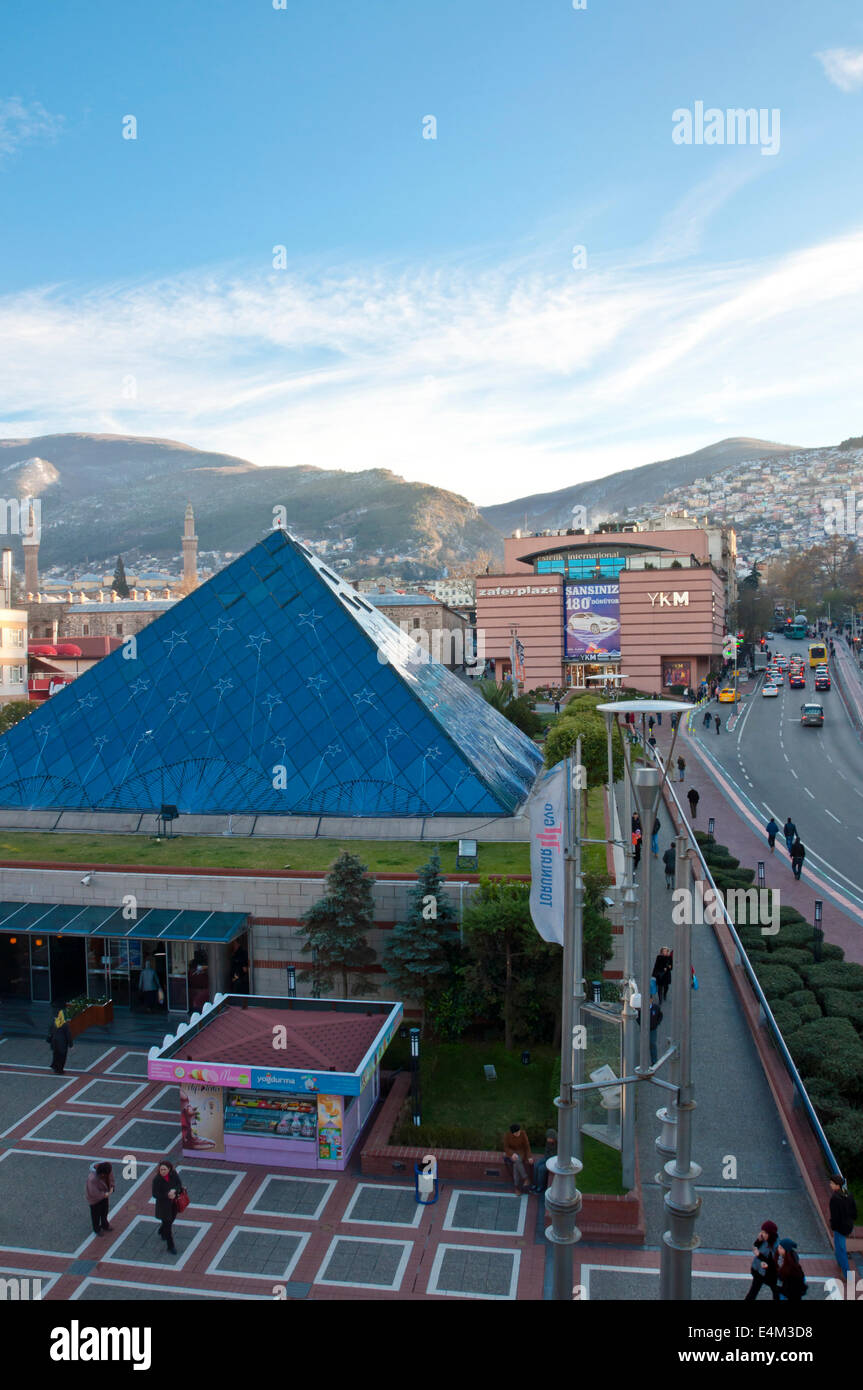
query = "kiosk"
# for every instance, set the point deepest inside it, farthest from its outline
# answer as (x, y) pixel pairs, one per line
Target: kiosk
(287, 1083)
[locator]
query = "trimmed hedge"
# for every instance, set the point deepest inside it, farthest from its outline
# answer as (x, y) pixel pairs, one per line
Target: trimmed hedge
(845, 1134)
(787, 1019)
(831, 974)
(790, 955)
(829, 1047)
(776, 980)
(829, 1102)
(803, 999)
(796, 935)
(844, 1003)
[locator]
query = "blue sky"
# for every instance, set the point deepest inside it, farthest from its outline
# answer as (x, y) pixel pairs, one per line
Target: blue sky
(429, 318)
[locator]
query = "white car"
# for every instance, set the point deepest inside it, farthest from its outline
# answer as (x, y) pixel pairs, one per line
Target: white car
(770, 690)
(591, 622)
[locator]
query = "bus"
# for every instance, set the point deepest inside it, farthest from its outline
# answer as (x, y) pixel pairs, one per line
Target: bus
(817, 653)
(798, 627)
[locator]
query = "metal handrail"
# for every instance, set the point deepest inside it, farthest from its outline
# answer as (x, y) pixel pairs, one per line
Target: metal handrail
(756, 987)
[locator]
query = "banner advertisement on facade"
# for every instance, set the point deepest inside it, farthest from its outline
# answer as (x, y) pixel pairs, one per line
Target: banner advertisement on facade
(329, 1127)
(591, 622)
(202, 1117)
(676, 673)
(547, 811)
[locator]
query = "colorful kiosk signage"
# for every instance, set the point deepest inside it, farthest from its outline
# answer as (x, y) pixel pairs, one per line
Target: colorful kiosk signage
(278, 1106)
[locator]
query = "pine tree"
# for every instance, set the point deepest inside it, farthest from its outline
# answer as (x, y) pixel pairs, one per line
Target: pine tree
(336, 928)
(418, 954)
(119, 585)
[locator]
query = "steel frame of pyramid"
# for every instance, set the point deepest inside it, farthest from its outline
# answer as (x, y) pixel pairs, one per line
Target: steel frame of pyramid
(273, 689)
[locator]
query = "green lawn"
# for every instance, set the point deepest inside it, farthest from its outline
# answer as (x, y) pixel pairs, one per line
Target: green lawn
(461, 1109)
(316, 856)
(396, 856)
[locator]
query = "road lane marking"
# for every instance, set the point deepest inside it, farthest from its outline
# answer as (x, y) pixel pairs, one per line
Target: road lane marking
(832, 817)
(809, 793)
(786, 757)
(794, 774)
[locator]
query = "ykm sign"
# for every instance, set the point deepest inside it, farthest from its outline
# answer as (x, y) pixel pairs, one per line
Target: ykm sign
(672, 600)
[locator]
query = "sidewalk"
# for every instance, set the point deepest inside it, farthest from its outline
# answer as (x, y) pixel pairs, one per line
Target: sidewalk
(733, 828)
(736, 1130)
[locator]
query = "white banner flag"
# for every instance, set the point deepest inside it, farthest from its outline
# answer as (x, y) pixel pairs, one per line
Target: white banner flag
(547, 812)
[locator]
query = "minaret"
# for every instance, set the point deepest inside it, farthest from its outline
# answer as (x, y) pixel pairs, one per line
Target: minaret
(30, 542)
(190, 551)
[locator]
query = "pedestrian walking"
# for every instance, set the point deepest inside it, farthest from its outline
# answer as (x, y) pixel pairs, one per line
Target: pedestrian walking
(843, 1214)
(798, 854)
(100, 1185)
(792, 1280)
(708, 719)
(540, 1176)
(789, 830)
(765, 1262)
(772, 831)
(557, 706)
(675, 720)
(693, 799)
(662, 968)
(652, 741)
(668, 861)
(654, 838)
(59, 1040)
(650, 723)
(516, 1149)
(167, 1187)
(681, 768)
(636, 845)
(659, 719)
(148, 986)
(718, 722)
(636, 822)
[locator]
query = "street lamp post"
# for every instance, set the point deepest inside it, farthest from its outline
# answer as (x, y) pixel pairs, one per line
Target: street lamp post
(292, 982)
(818, 934)
(647, 782)
(681, 1203)
(562, 1198)
(415, 1075)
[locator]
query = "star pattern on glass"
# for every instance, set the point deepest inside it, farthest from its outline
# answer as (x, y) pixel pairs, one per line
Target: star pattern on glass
(223, 625)
(332, 750)
(87, 701)
(146, 736)
(271, 701)
(257, 641)
(311, 618)
(99, 743)
(364, 697)
(179, 697)
(139, 687)
(393, 731)
(432, 752)
(223, 686)
(318, 683)
(175, 639)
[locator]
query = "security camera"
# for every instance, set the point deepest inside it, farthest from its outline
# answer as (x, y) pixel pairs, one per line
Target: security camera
(86, 879)
(609, 902)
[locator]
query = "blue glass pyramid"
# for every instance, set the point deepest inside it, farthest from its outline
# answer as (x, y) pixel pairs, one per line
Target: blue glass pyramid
(273, 689)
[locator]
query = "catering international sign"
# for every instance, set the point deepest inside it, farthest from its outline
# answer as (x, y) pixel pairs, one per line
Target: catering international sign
(592, 622)
(547, 816)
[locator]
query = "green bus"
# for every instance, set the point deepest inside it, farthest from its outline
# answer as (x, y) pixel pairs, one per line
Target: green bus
(798, 627)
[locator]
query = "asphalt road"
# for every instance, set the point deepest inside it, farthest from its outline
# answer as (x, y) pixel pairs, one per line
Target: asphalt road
(815, 775)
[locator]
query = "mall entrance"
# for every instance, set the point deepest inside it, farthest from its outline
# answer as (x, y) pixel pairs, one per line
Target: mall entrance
(68, 967)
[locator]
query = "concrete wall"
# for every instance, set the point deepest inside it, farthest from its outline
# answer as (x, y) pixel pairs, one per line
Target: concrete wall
(657, 630)
(533, 604)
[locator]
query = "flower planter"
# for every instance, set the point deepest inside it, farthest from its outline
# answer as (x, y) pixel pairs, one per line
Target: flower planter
(94, 1016)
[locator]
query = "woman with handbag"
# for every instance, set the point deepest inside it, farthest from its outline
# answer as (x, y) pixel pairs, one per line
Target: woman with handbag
(171, 1198)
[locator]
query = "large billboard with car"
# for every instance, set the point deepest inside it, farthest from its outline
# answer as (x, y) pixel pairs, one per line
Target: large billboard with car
(592, 622)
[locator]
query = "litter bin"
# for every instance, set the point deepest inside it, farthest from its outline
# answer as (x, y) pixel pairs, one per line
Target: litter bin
(426, 1179)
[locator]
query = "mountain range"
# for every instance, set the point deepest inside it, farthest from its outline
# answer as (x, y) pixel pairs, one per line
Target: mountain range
(107, 494)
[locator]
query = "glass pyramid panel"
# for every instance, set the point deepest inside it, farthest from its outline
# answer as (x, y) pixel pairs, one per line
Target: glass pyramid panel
(273, 689)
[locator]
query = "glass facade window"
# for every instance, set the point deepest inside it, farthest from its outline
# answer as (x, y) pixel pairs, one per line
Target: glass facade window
(179, 960)
(584, 567)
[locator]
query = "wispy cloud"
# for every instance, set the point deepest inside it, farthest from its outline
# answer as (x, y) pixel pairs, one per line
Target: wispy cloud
(843, 66)
(492, 383)
(23, 122)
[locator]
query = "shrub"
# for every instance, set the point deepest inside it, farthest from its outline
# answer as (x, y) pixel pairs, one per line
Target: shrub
(845, 1134)
(776, 980)
(720, 857)
(797, 935)
(832, 974)
(786, 1017)
(732, 878)
(844, 1003)
(802, 998)
(829, 1047)
(790, 955)
(831, 952)
(828, 1102)
(790, 914)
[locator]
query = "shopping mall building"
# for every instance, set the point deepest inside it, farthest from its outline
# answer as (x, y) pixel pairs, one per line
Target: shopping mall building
(648, 602)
